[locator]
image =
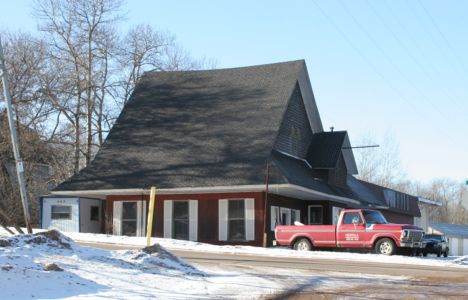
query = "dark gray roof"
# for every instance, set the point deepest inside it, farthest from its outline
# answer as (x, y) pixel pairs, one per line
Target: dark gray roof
(194, 129)
(325, 149)
(455, 230)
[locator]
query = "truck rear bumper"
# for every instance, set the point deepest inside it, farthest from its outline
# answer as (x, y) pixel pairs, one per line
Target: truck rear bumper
(411, 244)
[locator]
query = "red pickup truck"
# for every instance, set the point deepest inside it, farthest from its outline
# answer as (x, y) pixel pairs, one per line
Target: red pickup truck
(356, 228)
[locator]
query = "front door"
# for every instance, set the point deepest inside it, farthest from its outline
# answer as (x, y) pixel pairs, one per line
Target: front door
(129, 218)
(181, 220)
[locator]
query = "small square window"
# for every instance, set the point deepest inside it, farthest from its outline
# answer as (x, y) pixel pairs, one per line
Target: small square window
(94, 214)
(61, 212)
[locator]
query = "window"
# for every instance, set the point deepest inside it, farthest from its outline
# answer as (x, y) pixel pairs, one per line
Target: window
(352, 218)
(274, 217)
(285, 216)
(295, 216)
(129, 218)
(236, 220)
(180, 219)
(315, 214)
(61, 212)
(94, 213)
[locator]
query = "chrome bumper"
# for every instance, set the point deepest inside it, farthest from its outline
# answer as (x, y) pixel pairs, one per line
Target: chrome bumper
(412, 244)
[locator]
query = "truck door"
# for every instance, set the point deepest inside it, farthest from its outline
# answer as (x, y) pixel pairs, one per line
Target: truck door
(350, 232)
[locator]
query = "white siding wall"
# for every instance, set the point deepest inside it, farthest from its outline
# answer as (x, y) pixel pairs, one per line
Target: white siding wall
(71, 225)
(465, 247)
(87, 225)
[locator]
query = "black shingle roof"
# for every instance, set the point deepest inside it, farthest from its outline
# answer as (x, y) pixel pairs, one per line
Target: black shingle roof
(325, 149)
(194, 129)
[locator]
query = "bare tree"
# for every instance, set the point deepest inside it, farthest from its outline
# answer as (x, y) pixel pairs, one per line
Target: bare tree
(381, 165)
(79, 34)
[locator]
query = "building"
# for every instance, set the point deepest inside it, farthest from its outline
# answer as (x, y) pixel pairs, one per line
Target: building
(232, 152)
(457, 236)
(428, 208)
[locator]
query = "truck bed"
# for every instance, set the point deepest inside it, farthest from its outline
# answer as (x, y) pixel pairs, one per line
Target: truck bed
(322, 235)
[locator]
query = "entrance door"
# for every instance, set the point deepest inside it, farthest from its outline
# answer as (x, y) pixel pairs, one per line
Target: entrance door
(129, 218)
(181, 220)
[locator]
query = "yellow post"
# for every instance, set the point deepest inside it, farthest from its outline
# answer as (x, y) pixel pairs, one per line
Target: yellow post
(149, 225)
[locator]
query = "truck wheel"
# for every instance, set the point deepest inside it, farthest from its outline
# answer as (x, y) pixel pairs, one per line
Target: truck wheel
(438, 253)
(424, 253)
(302, 245)
(445, 253)
(385, 246)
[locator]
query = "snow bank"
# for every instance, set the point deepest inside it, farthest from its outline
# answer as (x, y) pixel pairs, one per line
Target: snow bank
(276, 252)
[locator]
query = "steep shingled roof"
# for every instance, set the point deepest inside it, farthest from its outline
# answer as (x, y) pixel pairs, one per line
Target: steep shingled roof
(194, 129)
(325, 149)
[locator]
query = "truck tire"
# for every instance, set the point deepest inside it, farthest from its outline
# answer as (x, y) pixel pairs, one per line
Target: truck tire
(385, 246)
(302, 244)
(446, 253)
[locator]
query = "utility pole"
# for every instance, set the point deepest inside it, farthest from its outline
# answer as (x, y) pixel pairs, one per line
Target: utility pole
(14, 141)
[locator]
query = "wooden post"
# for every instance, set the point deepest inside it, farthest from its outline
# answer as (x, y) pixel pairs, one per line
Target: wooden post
(265, 205)
(149, 226)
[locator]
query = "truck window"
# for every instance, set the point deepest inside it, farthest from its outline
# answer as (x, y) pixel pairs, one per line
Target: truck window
(349, 217)
(374, 217)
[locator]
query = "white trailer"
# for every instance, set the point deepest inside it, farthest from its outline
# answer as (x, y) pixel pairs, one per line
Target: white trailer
(71, 214)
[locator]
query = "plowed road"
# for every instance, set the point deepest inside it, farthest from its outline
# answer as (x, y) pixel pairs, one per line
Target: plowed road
(427, 281)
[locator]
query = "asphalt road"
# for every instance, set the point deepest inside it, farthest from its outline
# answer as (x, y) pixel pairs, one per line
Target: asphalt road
(427, 281)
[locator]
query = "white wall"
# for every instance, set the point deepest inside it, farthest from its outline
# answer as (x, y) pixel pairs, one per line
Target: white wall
(69, 225)
(453, 246)
(87, 225)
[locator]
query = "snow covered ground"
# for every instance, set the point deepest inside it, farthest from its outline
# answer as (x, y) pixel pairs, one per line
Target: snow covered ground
(451, 261)
(90, 273)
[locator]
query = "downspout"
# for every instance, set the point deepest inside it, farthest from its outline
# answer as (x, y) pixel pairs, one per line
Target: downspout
(266, 205)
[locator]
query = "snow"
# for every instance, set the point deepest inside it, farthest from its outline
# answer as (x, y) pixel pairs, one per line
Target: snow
(91, 273)
(276, 252)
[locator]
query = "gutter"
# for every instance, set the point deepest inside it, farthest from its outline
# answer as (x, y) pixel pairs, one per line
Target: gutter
(275, 188)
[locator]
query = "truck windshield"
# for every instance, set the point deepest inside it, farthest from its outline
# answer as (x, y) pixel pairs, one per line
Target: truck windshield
(374, 217)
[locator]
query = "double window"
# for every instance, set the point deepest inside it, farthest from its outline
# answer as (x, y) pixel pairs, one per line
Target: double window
(236, 219)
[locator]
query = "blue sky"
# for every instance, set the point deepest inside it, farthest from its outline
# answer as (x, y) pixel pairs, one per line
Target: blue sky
(376, 67)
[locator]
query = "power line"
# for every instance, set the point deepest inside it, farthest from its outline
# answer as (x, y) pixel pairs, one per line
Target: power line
(389, 58)
(394, 88)
(413, 58)
(447, 42)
